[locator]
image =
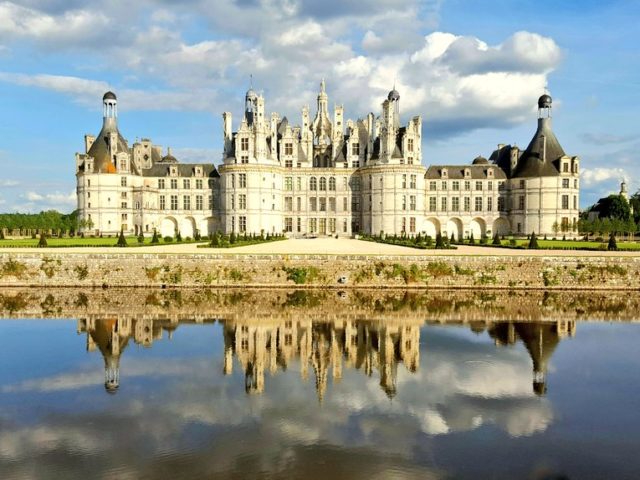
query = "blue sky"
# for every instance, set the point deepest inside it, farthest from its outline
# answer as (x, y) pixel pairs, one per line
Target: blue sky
(473, 70)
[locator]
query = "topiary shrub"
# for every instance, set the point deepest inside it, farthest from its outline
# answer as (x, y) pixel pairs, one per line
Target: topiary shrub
(496, 240)
(215, 240)
(196, 236)
(140, 238)
(452, 240)
(122, 242)
(43, 240)
(533, 241)
(155, 238)
(232, 238)
(439, 241)
(613, 245)
(178, 236)
(168, 239)
(472, 241)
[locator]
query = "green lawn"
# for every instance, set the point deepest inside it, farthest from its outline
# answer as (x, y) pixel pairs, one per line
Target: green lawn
(79, 242)
(572, 244)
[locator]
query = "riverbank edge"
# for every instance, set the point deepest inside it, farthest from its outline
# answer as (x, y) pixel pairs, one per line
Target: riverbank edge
(281, 271)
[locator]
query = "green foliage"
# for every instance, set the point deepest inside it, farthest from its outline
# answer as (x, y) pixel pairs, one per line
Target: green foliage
(496, 240)
(46, 220)
(178, 236)
(155, 238)
(472, 240)
(215, 240)
(301, 275)
(13, 268)
(122, 242)
(236, 275)
(168, 239)
(233, 238)
(613, 245)
(439, 241)
(140, 238)
(438, 269)
(82, 271)
(533, 241)
(615, 206)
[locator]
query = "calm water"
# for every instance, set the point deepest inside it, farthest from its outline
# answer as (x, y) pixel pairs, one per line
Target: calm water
(106, 398)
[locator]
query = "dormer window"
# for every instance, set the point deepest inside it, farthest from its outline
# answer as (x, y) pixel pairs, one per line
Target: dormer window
(444, 173)
(467, 173)
(490, 173)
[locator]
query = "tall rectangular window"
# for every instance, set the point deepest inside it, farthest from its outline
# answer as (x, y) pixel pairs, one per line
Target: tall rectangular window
(443, 204)
(332, 204)
(467, 204)
(313, 204)
(565, 183)
(123, 181)
(299, 203)
(288, 148)
(174, 183)
(186, 184)
(242, 201)
(413, 180)
(161, 183)
(467, 185)
(404, 202)
(199, 184)
(489, 204)
(355, 148)
(323, 204)
(455, 204)
(455, 185)
(244, 144)
(404, 180)
(478, 205)
(432, 204)
(479, 185)
(210, 202)
(288, 204)
(521, 202)
(412, 202)
(242, 180)
(288, 224)
(199, 203)
(412, 224)
(186, 201)
(288, 183)
(501, 204)
(444, 185)
(174, 202)
(565, 201)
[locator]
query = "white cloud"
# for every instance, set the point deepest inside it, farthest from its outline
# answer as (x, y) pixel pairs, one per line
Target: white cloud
(9, 183)
(592, 176)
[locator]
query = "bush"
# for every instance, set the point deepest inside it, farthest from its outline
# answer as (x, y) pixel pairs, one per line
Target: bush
(122, 242)
(613, 245)
(178, 236)
(168, 239)
(439, 241)
(140, 238)
(215, 240)
(533, 241)
(496, 240)
(472, 240)
(43, 241)
(233, 238)
(155, 238)
(197, 236)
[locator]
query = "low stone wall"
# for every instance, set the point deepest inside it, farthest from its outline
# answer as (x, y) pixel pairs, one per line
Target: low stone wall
(229, 270)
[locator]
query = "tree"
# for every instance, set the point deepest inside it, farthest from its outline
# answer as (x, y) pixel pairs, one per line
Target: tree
(496, 240)
(140, 237)
(178, 236)
(556, 228)
(614, 206)
(233, 237)
(122, 242)
(612, 242)
(215, 240)
(452, 240)
(533, 241)
(634, 202)
(472, 240)
(155, 238)
(43, 240)
(439, 241)
(196, 236)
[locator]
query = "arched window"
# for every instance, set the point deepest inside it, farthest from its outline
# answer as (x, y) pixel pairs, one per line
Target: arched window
(323, 183)
(332, 184)
(313, 184)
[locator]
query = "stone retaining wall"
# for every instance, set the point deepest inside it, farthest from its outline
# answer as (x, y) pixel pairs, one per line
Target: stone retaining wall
(207, 270)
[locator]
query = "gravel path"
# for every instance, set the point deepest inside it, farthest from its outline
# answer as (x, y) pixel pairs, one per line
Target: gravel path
(330, 246)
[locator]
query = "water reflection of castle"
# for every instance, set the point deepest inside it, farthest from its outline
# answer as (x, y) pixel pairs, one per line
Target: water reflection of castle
(325, 347)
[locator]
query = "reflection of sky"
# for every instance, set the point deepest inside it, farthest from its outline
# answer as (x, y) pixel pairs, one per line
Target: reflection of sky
(468, 411)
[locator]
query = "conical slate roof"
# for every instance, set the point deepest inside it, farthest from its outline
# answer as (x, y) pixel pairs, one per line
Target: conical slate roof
(533, 161)
(100, 148)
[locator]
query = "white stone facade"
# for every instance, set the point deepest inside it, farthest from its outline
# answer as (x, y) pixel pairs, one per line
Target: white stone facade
(325, 177)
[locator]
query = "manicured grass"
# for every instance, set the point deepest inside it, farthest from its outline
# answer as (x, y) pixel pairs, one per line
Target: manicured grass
(240, 242)
(80, 242)
(565, 244)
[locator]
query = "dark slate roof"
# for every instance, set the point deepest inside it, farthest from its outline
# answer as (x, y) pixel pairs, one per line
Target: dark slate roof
(480, 160)
(531, 163)
(502, 158)
(282, 126)
(184, 170)
(109, 96)
(456, 172)
(100, 148)
(301, 156)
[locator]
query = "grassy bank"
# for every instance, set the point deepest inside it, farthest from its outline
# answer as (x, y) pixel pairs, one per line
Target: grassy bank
(67, 242)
